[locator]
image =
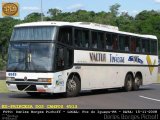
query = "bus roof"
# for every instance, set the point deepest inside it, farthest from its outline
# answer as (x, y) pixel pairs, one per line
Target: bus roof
(88, 25)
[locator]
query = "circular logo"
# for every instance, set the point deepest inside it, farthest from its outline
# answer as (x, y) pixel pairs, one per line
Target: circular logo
(10, 9)
(25, 78)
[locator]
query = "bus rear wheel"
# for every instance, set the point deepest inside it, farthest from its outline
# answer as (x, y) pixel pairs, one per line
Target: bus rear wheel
(137, 83)
(128, 83)
(72, 87)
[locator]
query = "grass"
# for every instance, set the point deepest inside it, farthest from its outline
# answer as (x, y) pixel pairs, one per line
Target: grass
(3, 87)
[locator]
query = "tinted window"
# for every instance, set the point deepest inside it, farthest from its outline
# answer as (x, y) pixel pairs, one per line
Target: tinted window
(33, 33)
(65, 35)
(108, 39)
(30, 56)
(138, 45)
(133, 44)
(147, 46)
(143, 46)
(94, 40)
(64, 58)
(127, 43)
(60, 59)
(100, 40)
(81, 38)
(115, 41)
(122, 43)
(69, 58)
(153, 47)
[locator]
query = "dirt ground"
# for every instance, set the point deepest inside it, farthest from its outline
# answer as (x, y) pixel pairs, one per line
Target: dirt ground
(2, 75)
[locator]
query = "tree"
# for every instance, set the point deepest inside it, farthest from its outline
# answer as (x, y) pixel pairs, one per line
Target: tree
(125, 22)
(114, 12)
(6, 27)
(114, 9)
(54, 12)
(148, 22)
(33, 17)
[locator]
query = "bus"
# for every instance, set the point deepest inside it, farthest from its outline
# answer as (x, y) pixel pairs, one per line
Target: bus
(70, 57)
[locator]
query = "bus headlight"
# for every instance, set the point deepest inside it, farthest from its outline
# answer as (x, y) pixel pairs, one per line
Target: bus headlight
(10, 78)
(49, 80)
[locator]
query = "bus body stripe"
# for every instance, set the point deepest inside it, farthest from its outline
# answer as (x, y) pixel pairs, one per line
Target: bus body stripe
(127, 65)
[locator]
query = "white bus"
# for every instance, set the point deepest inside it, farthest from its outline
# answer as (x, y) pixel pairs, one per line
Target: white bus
(69, 57)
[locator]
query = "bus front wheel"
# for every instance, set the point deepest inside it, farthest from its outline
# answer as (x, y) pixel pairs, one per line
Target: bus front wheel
(128, 82)
(72, 87)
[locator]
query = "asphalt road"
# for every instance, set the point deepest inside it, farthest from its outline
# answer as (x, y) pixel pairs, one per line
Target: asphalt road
(148, 97)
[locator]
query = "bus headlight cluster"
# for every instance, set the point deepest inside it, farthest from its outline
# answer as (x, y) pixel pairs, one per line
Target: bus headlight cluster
(10, 78)
(44, 80)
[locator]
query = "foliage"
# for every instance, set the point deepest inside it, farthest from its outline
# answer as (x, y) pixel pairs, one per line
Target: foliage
(33, 17)
(3, 87)
(145, 22)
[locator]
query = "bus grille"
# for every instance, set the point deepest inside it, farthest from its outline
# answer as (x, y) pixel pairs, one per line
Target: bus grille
(34, 80)
(27, 87)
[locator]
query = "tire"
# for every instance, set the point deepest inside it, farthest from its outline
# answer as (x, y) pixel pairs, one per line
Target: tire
(128, 83)
(137, 83)
(72, 87)
(34, 94)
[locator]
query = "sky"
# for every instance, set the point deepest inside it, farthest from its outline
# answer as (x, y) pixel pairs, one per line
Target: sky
(131, 6)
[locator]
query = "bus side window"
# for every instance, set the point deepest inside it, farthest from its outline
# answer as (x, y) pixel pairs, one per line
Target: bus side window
(121, 43)
(108, 39)
(60, 59)
(78, 37)
(153, 47)
(115, 42)
(138, 45)
(94, 40)
(143, 46)
(133, 44)
(81, 37)
(69, 58)
(85, 38)
(127, 46)
(65, 35)
(101, 40)
(147, 46)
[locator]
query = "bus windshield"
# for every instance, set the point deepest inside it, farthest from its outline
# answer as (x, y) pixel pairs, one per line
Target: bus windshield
(34, 33)
(30, 57)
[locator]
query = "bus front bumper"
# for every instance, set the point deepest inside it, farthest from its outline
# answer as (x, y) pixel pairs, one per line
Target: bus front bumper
(28, 86)
(27, 83)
